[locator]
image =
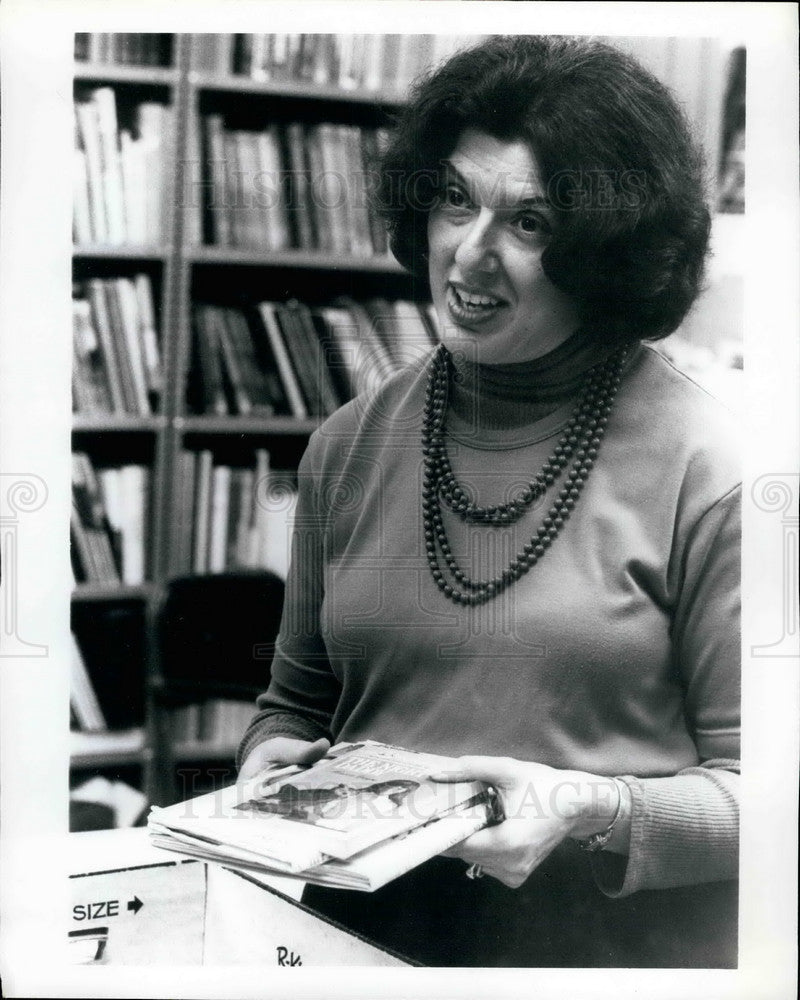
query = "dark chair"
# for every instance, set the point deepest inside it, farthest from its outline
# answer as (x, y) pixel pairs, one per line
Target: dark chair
(211, 637)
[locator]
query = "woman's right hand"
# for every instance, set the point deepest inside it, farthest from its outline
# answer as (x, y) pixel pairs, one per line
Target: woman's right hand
(281, 750)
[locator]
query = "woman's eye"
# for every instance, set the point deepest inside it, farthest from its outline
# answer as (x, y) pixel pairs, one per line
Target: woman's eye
(532, 225)
(454, 196)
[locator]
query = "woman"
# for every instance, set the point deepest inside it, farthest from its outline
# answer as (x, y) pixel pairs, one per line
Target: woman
(526, 551)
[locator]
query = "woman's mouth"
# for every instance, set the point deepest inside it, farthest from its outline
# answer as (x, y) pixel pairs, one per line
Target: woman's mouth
(471, 307)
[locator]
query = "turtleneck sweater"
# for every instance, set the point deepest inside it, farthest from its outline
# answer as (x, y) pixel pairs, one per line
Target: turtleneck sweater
(517, 395)
(617, 654)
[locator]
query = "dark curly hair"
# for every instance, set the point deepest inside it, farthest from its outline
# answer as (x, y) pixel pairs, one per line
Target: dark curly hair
(616, 157)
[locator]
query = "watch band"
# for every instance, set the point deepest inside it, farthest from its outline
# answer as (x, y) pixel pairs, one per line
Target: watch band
(597, 841)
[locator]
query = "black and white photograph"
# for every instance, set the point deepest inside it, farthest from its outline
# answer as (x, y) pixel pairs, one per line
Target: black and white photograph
(430, 400)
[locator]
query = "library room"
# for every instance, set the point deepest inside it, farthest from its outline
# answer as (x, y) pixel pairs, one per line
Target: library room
(402, 483)
(233, 288)
(358, 321)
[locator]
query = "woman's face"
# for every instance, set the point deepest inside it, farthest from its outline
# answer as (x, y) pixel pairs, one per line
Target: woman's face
(486, 236)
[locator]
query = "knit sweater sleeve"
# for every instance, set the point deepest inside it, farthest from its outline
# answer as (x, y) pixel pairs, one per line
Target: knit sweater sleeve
(303, 691)
(684, 828)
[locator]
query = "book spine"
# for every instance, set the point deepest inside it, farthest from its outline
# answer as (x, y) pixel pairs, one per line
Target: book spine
(134, 479)
(89, 369)
(254, 380)
(102, 324)
(300, 191)
(192, 188)
(129, 321)
(269, 190)
(88, 129)
(220, 499)
(132, 161)
(81, 209)
(82, 694)
(331, 195)
(155, 128)
(110, 292)
(343, 348)
(148, 336)
(357, 198)
(215, 164)
(113, 192)
(290, 384)
(244, 517)
(230, 361)
(313, 354)
(260, 518)
(232, 527)
(248, 223)
(202, 506)
(210, 369)
(182, 560)
(301, 360)
(320, 191)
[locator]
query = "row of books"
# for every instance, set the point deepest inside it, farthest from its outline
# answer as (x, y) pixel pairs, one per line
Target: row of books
(232, 517)
(123, 48)
(359, 817)
(107, 524)
(216, 722)
(117, 364)
(294, 359)
(346, 61)
(298, 185)
(119, 175)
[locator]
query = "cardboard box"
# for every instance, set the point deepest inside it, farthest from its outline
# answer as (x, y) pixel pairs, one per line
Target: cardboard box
(134, 904)
(130, 903)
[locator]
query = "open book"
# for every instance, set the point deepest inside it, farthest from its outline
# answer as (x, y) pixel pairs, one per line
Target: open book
(359, 817)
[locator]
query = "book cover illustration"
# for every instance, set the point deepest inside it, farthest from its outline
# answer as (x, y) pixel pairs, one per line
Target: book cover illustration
(293, 819)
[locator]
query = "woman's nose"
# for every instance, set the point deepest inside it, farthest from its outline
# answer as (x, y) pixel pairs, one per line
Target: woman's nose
(476, 250)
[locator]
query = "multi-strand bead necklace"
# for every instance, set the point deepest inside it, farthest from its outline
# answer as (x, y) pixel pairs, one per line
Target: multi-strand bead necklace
(580, 442)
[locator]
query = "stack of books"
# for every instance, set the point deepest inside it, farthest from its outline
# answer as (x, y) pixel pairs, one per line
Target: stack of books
(233, 517)
(360, 817)
(119, 178)
(348, 62)
(123, 49)
(297, 185)
(117, 364)
(302, 361)
(109, 510)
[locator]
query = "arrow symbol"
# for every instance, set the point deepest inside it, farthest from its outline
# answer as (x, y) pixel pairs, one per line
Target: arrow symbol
(135, 904)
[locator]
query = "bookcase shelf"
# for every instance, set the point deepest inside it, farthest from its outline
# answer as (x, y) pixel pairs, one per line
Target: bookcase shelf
(145, 76)
(114, 253)
(298, 259)
(182, 270)
(263, 426)
(285, 89)
(86, 593)
(108, 749)
(120, 423)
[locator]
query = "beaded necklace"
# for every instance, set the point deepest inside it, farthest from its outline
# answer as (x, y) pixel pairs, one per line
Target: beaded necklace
(581, 439)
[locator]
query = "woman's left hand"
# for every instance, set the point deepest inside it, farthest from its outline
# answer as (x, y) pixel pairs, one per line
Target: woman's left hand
(541, 806)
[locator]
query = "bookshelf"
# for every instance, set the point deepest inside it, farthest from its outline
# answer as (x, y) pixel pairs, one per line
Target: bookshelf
(241, 95)
(183, 267)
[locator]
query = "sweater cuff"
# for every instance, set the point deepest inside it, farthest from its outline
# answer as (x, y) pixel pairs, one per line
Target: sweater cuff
(684, 830)
(266, 725)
